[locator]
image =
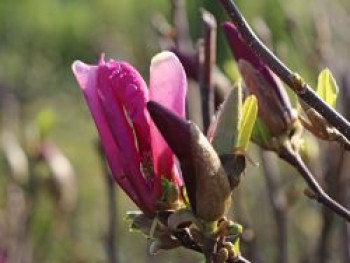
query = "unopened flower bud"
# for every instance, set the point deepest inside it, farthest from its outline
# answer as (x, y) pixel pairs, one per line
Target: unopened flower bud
(205, 179)
(274, 106)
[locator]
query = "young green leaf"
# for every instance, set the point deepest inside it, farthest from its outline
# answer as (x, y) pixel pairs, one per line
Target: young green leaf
(249, 113)
(327, 87)
(224, 130)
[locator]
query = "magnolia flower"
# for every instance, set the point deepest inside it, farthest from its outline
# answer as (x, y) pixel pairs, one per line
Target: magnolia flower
(274, 106)
(117, 95)
(3, 257)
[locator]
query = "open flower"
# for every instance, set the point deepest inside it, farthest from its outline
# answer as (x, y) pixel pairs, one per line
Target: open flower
(274, 106)
(117, 95)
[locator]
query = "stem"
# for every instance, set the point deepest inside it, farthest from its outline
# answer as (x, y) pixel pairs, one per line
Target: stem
(180, 23)
(332, 180)
(299, 86)
(278, 202)
(111, 242)
(112, 218)
(187, 241)
(207, 69)
(294, 159)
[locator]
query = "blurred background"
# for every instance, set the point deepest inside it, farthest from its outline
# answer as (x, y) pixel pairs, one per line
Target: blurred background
(53, 188)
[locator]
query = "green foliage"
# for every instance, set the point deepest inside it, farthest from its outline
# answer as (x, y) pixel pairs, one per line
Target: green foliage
(227, 124)
(327, 87)
(45, 121)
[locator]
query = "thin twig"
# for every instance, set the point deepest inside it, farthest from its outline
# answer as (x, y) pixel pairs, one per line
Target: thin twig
(209, 61)
(248, 239)
(332, 178)
(318, 194)
(111, 240)
(299, 86)
(183, 40)
(278, 202)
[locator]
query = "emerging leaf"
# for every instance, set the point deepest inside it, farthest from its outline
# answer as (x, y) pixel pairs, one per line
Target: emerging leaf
(249, 113)
(261, 135)
(226, 126)
(327, 87)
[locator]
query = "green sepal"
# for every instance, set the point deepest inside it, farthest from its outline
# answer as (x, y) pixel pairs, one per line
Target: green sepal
(249, 113)
(236, 247)
(165, 189)
(235, 229)
(261, 134)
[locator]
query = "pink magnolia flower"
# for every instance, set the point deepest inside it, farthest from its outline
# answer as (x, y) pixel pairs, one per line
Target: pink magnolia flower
(3, 256)
(117, 96)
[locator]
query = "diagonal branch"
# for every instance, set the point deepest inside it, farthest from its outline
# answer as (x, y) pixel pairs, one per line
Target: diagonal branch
(293, 158)
(293, 80)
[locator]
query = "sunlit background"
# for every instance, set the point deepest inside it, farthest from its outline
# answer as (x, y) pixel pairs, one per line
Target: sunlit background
(40, 101)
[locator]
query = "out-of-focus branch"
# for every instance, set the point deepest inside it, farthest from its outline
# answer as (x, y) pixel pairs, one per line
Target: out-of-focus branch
(207, 67)
(296, 83)
(180, 23)
(249, 237)
(171, 34)
(317, 193)
(332, 177)
(345, 175)
(111, 238)
(278, 202)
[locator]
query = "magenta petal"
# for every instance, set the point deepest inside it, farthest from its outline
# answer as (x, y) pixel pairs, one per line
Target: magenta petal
(177, 133)
(168, 87)
(86, 76)
(241, 50)
(131, 90)
(121, 130)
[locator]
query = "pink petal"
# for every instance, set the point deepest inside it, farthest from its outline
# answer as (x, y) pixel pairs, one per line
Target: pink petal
(120, 128)
(168, 87)
(86, 76)
(131, 90)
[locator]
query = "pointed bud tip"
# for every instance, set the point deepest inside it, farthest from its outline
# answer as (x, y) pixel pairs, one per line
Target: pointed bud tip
(175, 130)
(228, 27)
